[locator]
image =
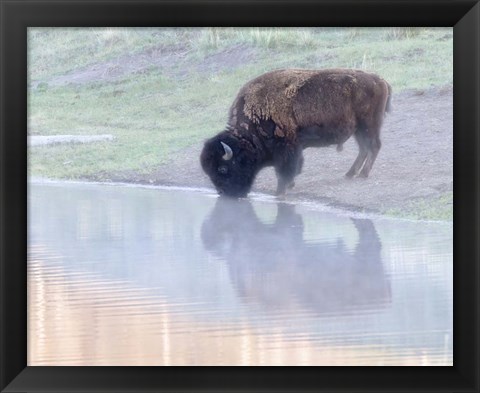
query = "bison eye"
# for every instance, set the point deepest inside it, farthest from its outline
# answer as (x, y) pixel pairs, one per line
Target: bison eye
(222, 169)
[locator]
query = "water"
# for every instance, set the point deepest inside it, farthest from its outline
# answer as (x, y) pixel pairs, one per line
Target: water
(144, 276)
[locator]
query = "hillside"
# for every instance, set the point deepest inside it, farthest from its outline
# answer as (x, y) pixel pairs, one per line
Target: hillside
(161, 92)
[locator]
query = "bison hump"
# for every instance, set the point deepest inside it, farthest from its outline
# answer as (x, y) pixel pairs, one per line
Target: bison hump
(270, 96)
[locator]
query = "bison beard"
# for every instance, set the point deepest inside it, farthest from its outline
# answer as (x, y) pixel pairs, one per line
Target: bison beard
(278, 114)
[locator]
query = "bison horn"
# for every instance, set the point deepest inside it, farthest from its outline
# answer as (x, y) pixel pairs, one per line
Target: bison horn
(228, 152)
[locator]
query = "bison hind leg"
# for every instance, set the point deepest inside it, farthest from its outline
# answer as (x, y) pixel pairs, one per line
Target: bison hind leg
(368, 139)
(362, 140)
(371, 157)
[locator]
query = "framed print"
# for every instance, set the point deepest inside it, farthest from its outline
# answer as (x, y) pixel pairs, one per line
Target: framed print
(210, 185)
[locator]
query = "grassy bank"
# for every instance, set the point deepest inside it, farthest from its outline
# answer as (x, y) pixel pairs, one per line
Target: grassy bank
(158, 91)
(439, 208)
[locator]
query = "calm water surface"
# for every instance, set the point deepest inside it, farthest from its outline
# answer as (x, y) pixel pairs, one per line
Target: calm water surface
(145, 276)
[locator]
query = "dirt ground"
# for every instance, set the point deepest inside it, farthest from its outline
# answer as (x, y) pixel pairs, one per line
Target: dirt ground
(414, 163)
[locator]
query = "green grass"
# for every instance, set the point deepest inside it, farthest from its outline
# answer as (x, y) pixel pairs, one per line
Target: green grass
(437, 209)
(180, 102)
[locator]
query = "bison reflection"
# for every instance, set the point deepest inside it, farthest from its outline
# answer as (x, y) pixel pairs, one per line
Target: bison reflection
(274, 266)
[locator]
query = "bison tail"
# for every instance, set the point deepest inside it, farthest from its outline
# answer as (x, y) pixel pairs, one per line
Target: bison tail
(388, 106)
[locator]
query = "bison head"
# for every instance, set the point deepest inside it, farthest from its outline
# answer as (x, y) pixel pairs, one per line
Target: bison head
(230, 164)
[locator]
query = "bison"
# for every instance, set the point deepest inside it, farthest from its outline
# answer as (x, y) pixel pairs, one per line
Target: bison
(278, 114)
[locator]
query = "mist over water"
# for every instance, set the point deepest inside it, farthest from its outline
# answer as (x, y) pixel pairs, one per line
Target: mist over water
(144, 276)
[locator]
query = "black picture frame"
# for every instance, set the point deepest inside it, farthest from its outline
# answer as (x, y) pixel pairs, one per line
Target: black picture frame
(17, 15)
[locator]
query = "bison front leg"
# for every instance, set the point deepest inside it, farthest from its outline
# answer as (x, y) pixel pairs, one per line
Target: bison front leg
(282, 185)
(288, 162)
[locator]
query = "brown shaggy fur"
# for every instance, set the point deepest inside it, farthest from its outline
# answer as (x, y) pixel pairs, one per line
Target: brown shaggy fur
(295, 98)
